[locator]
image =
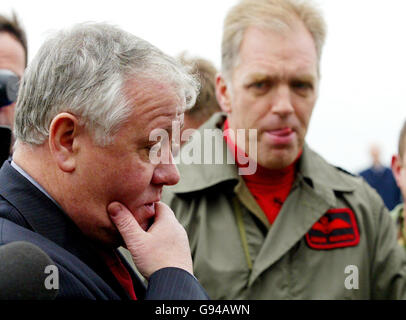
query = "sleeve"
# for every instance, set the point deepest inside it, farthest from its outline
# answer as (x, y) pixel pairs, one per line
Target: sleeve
(174, 284)
(389, 260)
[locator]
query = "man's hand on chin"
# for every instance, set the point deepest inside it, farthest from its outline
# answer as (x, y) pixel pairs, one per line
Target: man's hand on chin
(163, 244)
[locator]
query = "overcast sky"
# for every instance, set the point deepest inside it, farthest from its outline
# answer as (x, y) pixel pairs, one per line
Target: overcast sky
(362, 95)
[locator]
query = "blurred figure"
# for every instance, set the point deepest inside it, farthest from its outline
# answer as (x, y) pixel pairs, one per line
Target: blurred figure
(399, 171)
(381, 179)
(206, 102)
(13, 59)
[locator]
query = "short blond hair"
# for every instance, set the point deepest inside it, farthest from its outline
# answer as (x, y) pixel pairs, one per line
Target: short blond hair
(270, 14)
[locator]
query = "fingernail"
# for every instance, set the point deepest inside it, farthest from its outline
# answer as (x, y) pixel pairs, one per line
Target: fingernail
(114, 209)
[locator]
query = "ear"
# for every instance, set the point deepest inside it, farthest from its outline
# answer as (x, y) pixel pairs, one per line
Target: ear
(223, 94)
(396, 167)
(63, 133)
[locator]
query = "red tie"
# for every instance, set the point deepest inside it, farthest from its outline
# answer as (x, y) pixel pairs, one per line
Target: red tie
(121, 273)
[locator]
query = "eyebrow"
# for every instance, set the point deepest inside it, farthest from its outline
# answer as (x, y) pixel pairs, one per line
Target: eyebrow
(305, 78)
(256, 77)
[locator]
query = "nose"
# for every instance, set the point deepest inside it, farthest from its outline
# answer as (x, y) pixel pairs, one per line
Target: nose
(166, 174)
(281, 102)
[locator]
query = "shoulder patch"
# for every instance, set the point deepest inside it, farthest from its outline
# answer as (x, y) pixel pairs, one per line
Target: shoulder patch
(337, 228)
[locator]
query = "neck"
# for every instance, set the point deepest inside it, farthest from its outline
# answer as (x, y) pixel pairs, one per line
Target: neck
(376, 164)
(37, 162)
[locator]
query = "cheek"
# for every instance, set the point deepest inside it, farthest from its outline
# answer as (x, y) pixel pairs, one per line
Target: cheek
(303, 111)
(130, 182)
(247, 112)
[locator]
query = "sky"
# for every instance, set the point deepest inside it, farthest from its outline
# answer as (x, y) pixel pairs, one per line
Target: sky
(362, 91)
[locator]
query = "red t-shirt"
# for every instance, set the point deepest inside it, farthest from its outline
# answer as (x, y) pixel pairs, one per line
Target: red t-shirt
(270, 188)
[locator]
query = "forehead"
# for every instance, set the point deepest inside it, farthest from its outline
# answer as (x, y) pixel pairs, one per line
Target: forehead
(12, 55)
(155, 103)
(291, 52)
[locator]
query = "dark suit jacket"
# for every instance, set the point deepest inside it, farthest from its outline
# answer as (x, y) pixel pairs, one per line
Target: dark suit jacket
(27, 214)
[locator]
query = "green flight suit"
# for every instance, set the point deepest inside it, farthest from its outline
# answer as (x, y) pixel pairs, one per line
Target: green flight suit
(237, 254)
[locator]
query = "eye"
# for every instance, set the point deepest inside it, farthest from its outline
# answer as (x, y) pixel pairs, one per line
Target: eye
(260, 86)
(302, 86)
(154, 147)
(149, 146)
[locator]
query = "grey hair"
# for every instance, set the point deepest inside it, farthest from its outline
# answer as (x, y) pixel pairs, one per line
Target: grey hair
(276, 15)
(84, 71)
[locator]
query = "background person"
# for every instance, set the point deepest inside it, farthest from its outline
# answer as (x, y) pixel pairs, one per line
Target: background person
(206, 103)
(381, 179)
(13, 57)
(80, 182)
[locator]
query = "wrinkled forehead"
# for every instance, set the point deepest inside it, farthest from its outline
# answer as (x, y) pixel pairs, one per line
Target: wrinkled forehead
(293, 32)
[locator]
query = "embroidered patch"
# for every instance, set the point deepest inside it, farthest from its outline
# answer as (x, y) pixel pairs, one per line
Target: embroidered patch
(336, 229)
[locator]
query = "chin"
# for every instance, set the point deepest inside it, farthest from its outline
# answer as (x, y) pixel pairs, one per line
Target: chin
(278, 159)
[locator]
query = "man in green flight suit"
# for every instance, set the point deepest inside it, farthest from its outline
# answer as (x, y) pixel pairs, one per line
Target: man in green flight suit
(283, 224)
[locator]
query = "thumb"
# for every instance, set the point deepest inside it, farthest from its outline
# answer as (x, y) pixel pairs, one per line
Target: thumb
(124, 221)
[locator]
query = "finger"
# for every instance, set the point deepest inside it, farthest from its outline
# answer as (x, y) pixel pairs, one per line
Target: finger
(163, 210)
(125, 222)
(162, 213)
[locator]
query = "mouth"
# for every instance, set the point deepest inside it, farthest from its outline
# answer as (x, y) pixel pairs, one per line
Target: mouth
(150, 209)
(146, 216)
(281, 137)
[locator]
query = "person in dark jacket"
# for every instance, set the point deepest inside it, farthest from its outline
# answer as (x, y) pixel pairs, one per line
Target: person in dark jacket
(382, 180)
(80, 182)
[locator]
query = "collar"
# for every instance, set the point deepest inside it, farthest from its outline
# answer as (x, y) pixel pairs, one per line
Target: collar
(200, 176)
(35, 183)
(42, 215)
(322, 176)
(312, 166)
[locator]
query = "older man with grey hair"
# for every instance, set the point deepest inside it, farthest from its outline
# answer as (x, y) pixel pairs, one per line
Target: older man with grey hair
(80, 182)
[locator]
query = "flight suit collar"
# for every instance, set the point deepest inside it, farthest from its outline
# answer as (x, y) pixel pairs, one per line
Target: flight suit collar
(312, 166)
(196, 177)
